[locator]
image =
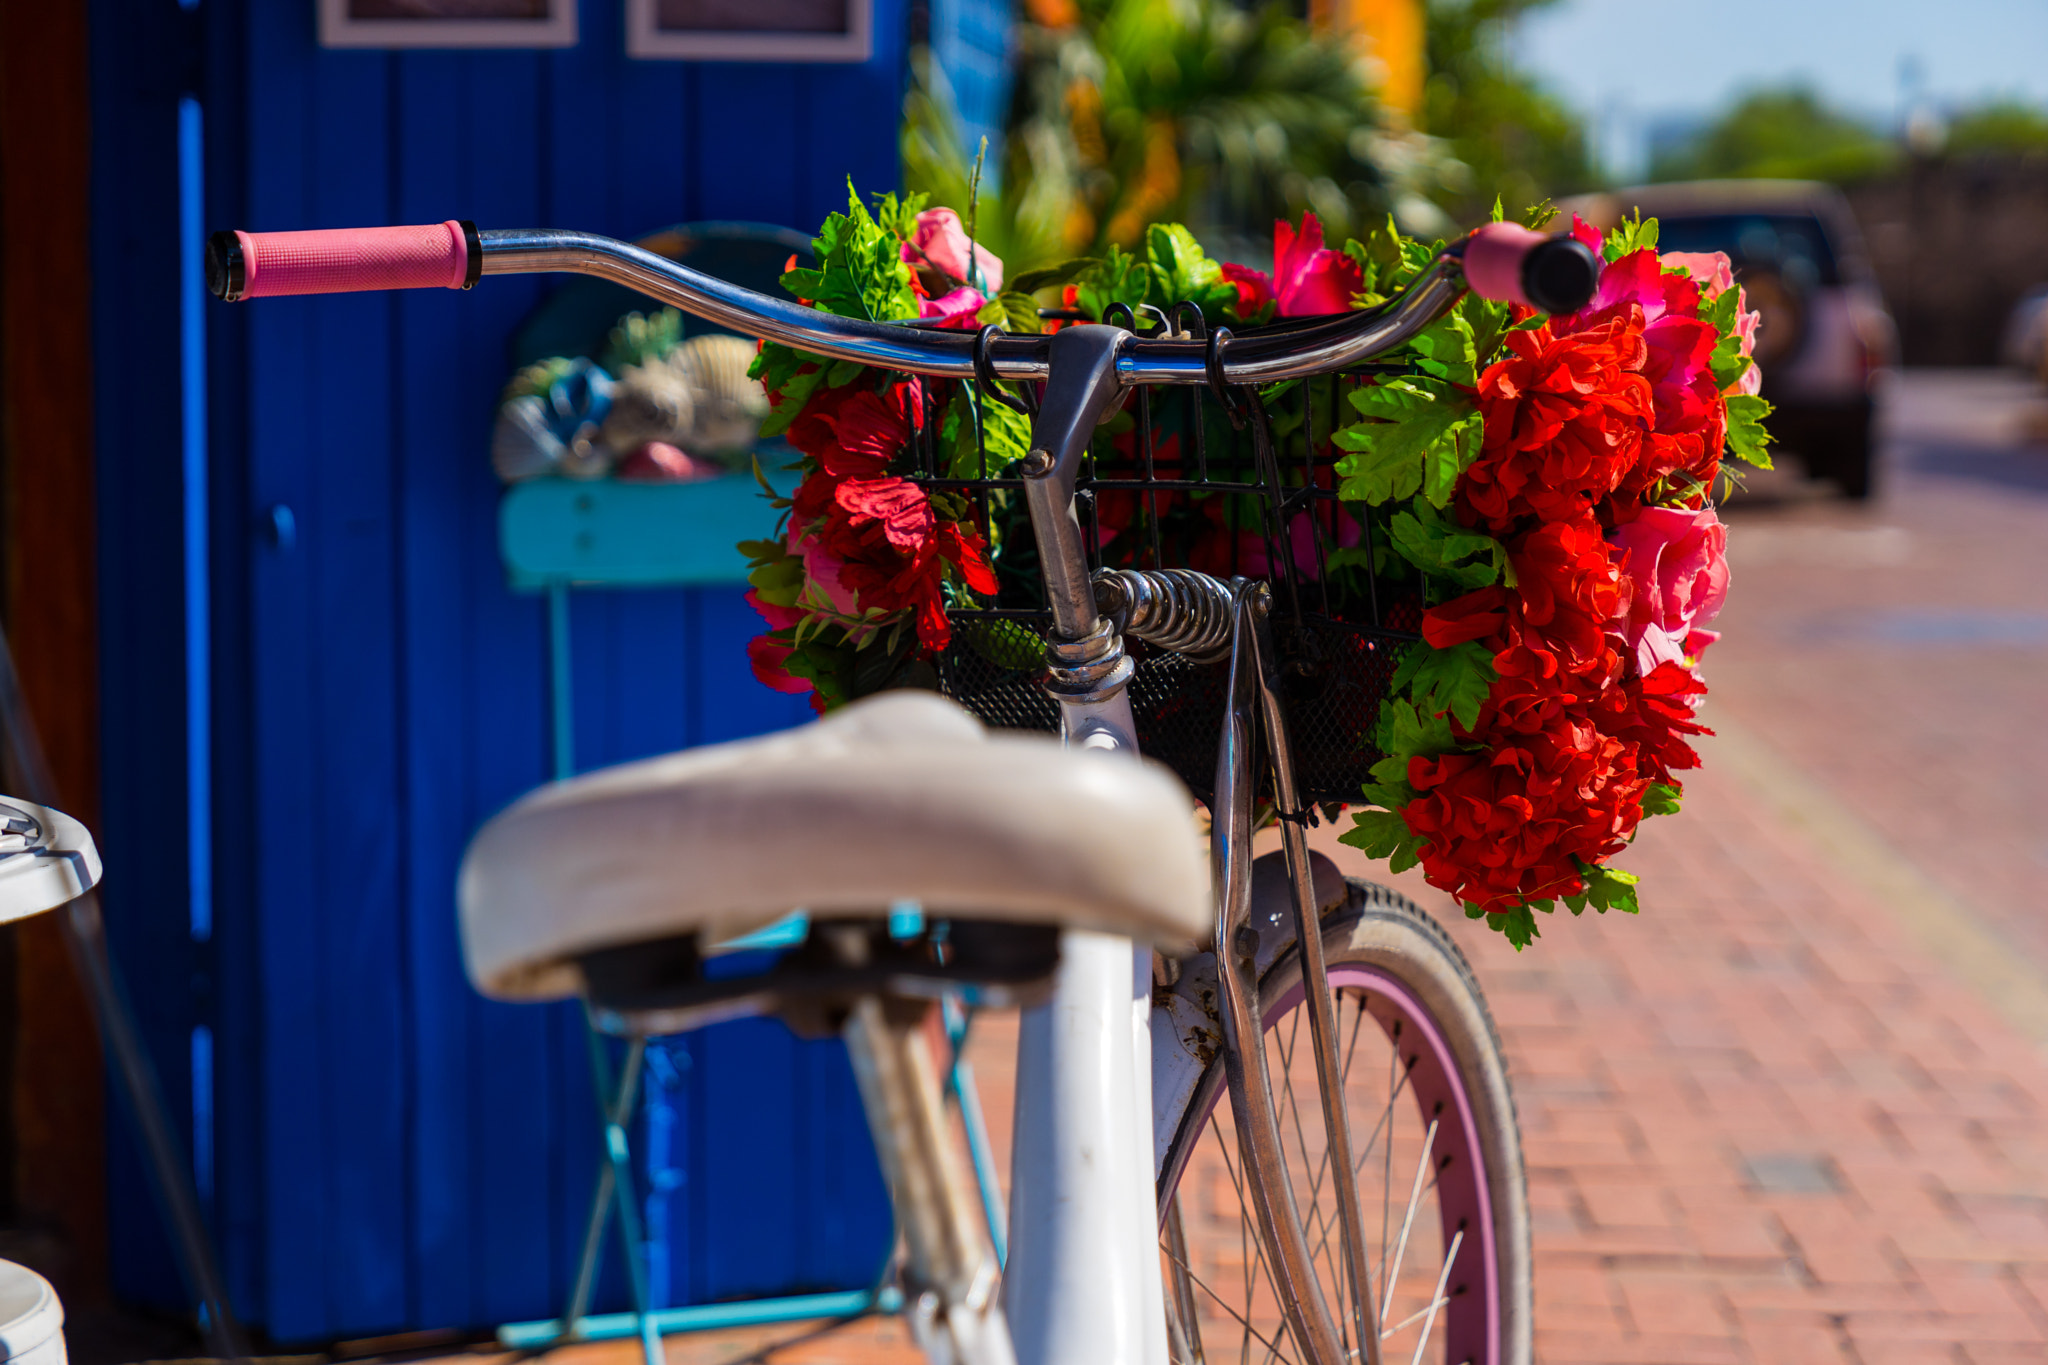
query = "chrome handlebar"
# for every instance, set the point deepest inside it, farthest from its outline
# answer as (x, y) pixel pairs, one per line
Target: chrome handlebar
(1264, 356)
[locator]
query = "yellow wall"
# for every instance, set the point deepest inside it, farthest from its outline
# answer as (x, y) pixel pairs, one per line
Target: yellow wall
(1394, 31)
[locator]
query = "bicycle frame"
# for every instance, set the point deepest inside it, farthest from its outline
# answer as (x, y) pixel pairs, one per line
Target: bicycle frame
(1083, 1280)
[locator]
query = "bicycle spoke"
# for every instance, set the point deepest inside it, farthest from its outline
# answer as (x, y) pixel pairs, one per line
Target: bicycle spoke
(1437, 1299)
(1390, 1273)
(1272, 1351)
(1251, 1247)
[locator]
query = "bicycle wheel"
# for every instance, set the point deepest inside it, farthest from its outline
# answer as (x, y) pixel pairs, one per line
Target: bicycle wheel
(1437, 1153)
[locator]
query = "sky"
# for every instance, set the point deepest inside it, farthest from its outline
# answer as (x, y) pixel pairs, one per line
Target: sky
(1627, 64)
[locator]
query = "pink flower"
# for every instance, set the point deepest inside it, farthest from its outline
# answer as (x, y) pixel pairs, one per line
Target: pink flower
(769, 659)
(956, 309)
(942, 243)
(1679, 343)
(1301, 542)
(1709, 269)
(821, 568)
(1677, 562)
(1714, 274)
(1307, 278)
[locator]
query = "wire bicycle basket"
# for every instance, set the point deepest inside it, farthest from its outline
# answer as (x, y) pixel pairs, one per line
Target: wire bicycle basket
(1224, 479)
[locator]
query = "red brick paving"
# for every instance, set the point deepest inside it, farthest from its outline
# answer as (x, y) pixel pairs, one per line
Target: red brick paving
(1770, 1013)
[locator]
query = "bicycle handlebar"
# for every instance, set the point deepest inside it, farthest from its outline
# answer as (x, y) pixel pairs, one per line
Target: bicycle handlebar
(255, 265)
(1498, 261)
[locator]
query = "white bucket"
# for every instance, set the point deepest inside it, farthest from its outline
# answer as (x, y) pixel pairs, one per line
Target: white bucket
(31, 1318)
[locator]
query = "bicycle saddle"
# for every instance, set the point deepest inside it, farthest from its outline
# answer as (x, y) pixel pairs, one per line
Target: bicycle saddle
(903, 796)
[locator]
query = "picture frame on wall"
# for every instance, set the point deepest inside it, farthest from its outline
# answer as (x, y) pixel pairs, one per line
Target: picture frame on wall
(447, 23)
(750, 30)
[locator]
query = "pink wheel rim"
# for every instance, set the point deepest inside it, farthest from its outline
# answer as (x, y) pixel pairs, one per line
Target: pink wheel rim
(1471, 1322)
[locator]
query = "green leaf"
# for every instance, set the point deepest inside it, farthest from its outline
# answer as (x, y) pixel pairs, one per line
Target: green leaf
(1661, 798)
(1747, 438)
(1066, 272)
(1439, 546)
(1403, 732)
(1447, 350)
(1384, 834)
(1423, 436)
(1607, 888)
(1451, 681)
(1003, 642)
(1488, 321)
(1118, 277)
(1539, 214)
(1635, 234)
(1378, 256)
(1005, 434)
(1518, 924)
(1499, 213)
(1019, 313)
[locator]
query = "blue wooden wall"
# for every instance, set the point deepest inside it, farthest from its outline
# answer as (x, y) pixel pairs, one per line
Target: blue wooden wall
(380, 1149)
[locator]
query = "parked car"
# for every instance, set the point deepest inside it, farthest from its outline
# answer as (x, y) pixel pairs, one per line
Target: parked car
(1824, 333)
(2025, 344)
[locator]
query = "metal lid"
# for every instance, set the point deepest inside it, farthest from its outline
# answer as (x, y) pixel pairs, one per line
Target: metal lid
(30, 1313)
(46, 859)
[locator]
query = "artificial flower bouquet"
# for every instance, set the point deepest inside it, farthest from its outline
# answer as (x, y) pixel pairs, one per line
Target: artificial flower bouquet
(1540, 491)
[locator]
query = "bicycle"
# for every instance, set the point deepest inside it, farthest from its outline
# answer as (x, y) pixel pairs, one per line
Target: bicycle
(611, 884)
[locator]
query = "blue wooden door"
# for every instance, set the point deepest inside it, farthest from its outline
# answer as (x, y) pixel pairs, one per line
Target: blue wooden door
(381, 1149)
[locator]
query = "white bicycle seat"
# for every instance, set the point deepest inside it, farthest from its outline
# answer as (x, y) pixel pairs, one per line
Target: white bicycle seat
(903, 796)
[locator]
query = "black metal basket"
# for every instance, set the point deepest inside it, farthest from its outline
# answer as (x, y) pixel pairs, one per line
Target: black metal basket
(1231, 481)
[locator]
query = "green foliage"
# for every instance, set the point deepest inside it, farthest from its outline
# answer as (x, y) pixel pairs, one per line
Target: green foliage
(1634, 234)
(860, 272)
(1384, 834)
(638, 339)
(1004, 435)
(1520, 143)
(1171, 268)
(1607, 888)
(1442, 548)
(1781, 133)
(1747, 439)
(1004, 643)
(1421, 435)
(1131, 112)
(2001, 125)
(1518, 924)
(1451, 682)
(1661, 799)
(536, 379)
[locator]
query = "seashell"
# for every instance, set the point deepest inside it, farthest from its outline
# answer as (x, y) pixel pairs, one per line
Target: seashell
(730, 407)
(659, 462)
(523, 445)
(650, 403)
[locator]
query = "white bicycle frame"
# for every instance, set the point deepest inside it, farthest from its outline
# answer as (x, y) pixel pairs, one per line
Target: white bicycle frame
(1082, 1283)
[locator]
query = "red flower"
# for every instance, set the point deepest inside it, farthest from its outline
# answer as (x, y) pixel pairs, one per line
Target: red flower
(1653, 715)
(1566, 418)
(855, 433)
(1307, 278)
(1563, 618)
(1503, 827)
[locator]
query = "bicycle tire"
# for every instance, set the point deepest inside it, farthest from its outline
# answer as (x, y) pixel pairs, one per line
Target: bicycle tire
(1377, 942)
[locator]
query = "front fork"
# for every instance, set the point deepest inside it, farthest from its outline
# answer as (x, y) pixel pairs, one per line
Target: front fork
(1083, 1279)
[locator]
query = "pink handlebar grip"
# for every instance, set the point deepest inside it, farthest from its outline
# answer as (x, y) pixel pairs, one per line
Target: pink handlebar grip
(255, 265)
(1493, 260)
(1513, 264)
